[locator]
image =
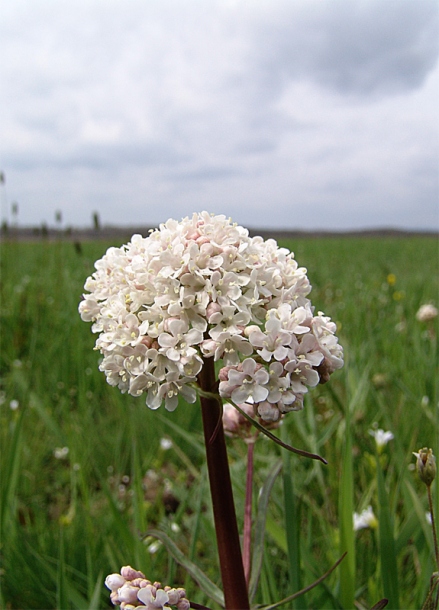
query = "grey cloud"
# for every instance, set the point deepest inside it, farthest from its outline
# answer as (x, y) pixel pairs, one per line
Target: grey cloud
(107, 158)
(362, 47)
(240, 107)
(206, 173)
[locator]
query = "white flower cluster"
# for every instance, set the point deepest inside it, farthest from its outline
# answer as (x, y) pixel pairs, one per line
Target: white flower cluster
(202, 288)
(131, 589)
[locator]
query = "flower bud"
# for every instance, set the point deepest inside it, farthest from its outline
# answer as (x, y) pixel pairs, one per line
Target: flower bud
(235, 424)
(127, 594)
(426, 465)
(114, 582)
(130, 573)
(250, 329)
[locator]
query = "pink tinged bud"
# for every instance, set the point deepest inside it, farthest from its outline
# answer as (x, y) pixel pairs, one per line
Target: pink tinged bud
(230, 419)
(167, 323)
(183, 604)
(212, 308)
(130, 573)
(147, 341)
(127, 594)
(223, 374)
(268, 411)
(114, 582)
(174, 595)
(250, 329)
(153, 598)
(203, 239)
(208, 347)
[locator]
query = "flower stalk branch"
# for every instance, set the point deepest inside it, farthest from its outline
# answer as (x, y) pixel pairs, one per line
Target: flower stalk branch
(229, 549)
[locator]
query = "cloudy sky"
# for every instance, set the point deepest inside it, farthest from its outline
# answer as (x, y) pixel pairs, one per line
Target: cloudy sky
(306, 114)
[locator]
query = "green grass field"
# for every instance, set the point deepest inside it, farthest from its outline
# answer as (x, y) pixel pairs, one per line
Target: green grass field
(84, 473)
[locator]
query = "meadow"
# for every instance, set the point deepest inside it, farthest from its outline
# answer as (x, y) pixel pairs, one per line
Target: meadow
(86, 471)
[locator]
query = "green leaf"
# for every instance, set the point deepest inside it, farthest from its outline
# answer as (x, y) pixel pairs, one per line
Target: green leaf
(346, 512)
(259, 528)
(292, 525)
(389, 571)
(294, 596)
(10, 476)
(209, 588)
(94, 603)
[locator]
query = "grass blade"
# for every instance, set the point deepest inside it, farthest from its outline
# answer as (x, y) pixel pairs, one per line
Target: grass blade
(389, 570)
(198, 575)
(259, 528)
(292, 528)
(10, 476)
(346, 512)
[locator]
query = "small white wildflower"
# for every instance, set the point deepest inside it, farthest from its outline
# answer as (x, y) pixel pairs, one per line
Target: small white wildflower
(426, 313)
(154, 546)
(61, 453)
(381, 438)
(165, 443)
(14, 404)
(365, 519)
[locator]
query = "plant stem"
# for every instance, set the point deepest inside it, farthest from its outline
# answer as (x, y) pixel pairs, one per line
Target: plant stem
(226, 527)
(248, 512)
(433, 526)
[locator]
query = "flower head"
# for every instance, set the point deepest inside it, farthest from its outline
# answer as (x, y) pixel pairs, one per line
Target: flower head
(203, 288)
(131, 589)
(365, 519)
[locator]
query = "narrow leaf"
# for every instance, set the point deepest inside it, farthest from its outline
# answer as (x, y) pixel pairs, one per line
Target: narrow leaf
(94, 603)
(346, 523)
(11, 475)
(258, 552)
(292, 524)
(198, 575)
(389, 572)
(306, 589)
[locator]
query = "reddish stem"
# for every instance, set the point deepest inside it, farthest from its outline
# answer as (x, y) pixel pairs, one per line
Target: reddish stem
(248, 513)
(226, 527)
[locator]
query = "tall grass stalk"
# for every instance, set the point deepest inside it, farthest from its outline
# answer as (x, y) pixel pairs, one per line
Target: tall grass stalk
(346, 511)
(292, 526)
(389, 571)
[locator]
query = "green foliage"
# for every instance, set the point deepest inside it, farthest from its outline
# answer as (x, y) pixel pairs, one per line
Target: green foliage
(69, 519)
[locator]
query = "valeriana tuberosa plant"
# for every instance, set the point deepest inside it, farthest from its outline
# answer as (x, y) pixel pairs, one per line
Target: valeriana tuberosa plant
(197, 292)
